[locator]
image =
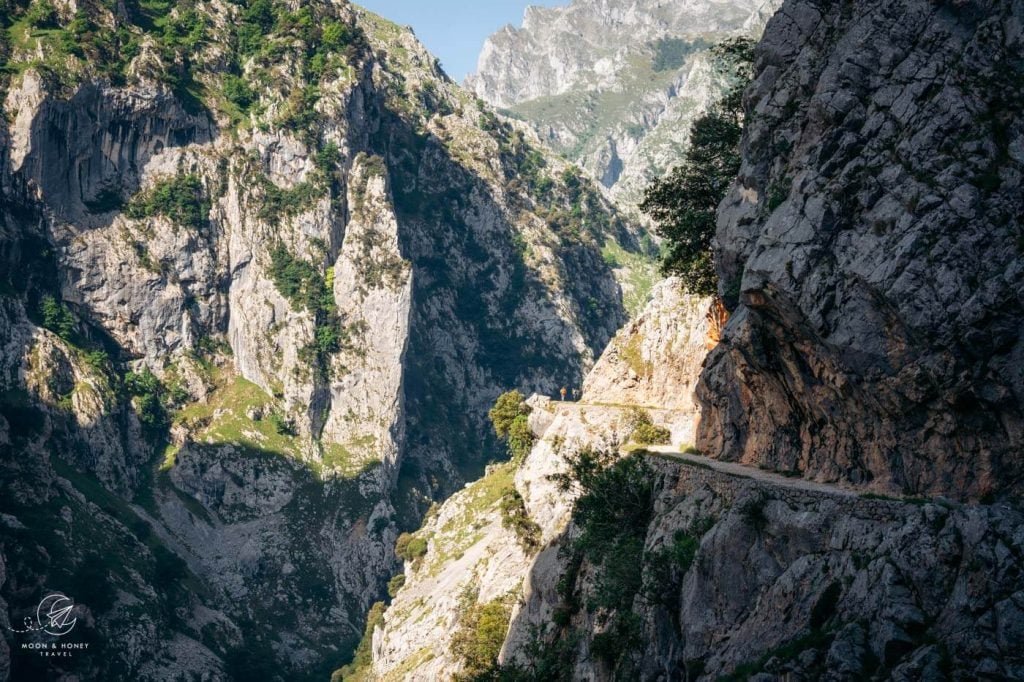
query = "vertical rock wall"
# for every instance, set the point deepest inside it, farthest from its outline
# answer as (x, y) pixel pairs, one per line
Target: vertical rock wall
(874, 238)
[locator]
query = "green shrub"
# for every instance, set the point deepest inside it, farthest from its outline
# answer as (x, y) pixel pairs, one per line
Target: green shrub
(300, 111)
(683, 204)
(57, 317)
(279, 202)
(510, 418)
(410, 547)
(98, 360)
(515, 517)
(282, 424)
(328, 157)
(41, 14)
(618, 640)
(666, 567)
(612, 513)
(507, 408)
(643, 431)
(477, 642)
(186, 29)
(649, 434)
(148, 392)
(327, 339)
(238, 91)
(395, 584)
(298, 280)
(520, 438)
(176, 393)
(304, 286)
(181, 199)
(257, 22)
(362, 659)
(336, 36)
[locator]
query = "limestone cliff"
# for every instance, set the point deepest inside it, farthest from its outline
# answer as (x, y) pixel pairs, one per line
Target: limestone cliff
(475, 555)
(874, 240)
(869, 257)
(744, 580)
(680, 568)
(614, 84)
(264, 269)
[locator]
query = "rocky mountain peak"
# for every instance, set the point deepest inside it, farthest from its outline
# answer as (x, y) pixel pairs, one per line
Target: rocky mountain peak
(614, 84)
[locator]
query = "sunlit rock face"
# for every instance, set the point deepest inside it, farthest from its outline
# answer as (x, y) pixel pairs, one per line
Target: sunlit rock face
(749, 573)
(870, 262)
(251, 322)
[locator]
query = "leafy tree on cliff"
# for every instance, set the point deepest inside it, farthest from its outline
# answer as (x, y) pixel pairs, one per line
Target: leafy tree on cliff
(510, 419)
(684, 202)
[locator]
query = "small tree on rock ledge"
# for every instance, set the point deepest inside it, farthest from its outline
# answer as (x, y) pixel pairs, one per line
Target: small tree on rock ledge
(510, 417)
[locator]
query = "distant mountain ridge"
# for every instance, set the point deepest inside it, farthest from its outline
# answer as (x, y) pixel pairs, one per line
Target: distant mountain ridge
(614, 84)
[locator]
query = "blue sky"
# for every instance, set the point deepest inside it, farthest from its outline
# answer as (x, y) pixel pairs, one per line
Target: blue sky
(455, 30)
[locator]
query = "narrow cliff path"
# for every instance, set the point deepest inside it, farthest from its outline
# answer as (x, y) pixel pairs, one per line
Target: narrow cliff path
(744, 471)
(728, 468)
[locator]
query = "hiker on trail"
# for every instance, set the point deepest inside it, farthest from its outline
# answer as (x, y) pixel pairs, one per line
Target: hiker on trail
(575, 394)
(563, 392)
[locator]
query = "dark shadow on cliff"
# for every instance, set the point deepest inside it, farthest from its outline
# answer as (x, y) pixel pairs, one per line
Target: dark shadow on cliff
(471, 289)
(87, 153)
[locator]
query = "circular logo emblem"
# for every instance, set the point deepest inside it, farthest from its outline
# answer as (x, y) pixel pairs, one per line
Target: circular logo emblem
(54, 614)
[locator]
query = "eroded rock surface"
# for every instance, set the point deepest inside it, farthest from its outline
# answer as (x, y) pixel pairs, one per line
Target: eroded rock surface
(251, 319)
(874, 239)
(807, 587)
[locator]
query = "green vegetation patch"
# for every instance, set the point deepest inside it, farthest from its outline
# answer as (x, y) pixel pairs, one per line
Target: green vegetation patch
(410, 547)
(515, 517)
(305, 287)
(477, 642)
(642, 272)
(358, 670)
(643, 430)
(463, 530)
(181, 199)
(684, 203)
(299, 281)
(147, 397)
(632, 353)
(510, 418)
(591, 113)
(613, 513)
(351, 457)
(224, 418)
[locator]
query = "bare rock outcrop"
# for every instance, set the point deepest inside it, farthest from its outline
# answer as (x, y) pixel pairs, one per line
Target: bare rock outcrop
(874, 241)
(655, 360)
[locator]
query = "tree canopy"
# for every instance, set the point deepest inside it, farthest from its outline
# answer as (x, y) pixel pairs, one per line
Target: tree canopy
(510, 419)
(683, 203)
